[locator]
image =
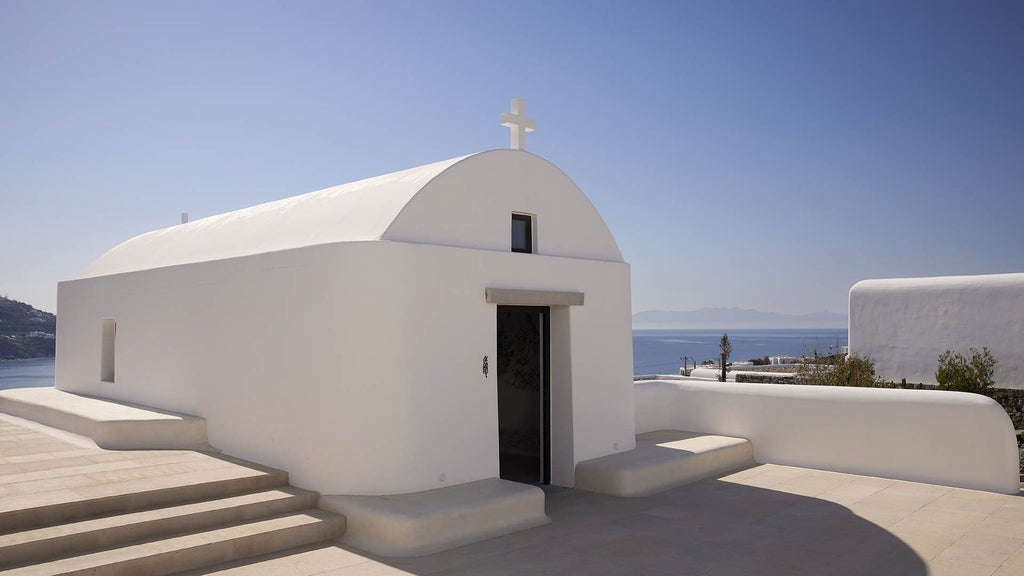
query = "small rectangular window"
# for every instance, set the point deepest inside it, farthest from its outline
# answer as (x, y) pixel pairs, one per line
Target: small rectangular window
(522, 233)
(107, 353)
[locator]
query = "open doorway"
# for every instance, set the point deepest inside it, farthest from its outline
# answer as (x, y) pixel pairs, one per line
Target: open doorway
(524, 392)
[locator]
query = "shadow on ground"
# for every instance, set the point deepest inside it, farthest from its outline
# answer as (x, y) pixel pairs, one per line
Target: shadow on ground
(710, 528)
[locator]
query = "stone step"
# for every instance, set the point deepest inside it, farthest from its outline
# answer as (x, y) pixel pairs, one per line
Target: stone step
(199, 549)
(664, 459)
(41, 544)
(97, 490)
(426, 522)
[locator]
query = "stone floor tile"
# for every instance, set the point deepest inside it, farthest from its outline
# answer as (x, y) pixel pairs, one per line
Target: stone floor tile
(1012, 509)
(927, 541)
(811, 484)
(41, 465)
(949, 567)
(898, 498)
(970, 501)
(878, 513)
(86, 467)
(26, 458)
(851, 492)
(742, 474)
(50, 484)
(931, 517)
(770, 475)
(1013, 524)
(1014, 566)
(984, 549)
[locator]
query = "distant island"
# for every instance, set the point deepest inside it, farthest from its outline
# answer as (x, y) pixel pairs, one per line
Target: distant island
(733, 318)
(26, 332)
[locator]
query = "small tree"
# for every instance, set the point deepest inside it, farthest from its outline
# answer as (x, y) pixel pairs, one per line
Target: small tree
(726, 348)
(958, 373)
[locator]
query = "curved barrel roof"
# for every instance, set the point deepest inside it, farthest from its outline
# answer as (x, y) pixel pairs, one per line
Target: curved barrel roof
(462, 202)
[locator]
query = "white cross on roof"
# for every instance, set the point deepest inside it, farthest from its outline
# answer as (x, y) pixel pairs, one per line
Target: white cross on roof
(518, 123)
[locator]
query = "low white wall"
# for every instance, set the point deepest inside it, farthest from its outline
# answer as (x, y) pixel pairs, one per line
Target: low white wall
(710, 374)
(903, 324)
(947, 438)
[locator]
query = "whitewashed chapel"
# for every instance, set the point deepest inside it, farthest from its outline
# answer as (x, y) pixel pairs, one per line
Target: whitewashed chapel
(459, 321)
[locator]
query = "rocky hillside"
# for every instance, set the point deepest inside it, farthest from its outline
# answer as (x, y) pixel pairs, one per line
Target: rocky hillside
(24, 331)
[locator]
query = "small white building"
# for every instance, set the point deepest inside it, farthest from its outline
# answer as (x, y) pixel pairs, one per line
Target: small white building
(463, 320)
(904, 324)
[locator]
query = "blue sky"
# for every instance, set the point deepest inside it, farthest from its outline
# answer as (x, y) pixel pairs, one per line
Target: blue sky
(756, 154)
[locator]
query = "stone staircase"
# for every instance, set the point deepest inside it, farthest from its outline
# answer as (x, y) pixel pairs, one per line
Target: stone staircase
(149, 512)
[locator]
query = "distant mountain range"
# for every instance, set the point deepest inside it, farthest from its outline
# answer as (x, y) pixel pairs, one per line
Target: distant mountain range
(734, 318)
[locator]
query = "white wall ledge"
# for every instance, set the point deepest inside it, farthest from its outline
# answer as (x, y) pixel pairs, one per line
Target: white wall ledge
(948, 438)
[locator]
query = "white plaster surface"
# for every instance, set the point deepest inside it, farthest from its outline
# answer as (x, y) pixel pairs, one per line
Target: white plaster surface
(904, 324)
(712, 374)
(356, 365)
(709, 374)
(664, 459)
(434, 520)
(110, 425)
(948, 438)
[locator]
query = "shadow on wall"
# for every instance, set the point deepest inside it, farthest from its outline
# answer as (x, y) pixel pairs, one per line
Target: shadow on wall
(711, 526)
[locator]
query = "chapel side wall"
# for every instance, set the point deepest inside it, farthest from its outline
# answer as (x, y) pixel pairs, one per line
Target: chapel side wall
(356, 367)
(290, 356)
(905, 324)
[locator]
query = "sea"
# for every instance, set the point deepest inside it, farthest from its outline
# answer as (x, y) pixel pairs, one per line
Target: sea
(661, 351)
(654, 351)
(33, 372)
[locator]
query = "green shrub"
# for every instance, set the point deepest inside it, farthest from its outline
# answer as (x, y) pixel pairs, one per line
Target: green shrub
(956, 372)
(838, 370)
(852, 370)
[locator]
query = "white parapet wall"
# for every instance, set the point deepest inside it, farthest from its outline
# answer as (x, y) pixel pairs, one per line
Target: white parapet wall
(903, 324)
(947, 438)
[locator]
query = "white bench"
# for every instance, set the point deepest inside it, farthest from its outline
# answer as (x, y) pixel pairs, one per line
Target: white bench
(664, 459)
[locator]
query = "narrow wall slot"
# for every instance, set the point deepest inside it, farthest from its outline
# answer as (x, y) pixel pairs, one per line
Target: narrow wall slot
(107, 354)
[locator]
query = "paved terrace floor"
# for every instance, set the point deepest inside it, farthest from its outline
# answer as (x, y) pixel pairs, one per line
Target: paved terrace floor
(766, 520)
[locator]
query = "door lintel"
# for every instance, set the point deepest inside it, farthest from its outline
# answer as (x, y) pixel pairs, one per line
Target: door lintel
(518, 297)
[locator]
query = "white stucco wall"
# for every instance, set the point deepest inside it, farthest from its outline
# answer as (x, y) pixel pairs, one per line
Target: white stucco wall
(948, 438)
(904, 324)
(354, 366)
